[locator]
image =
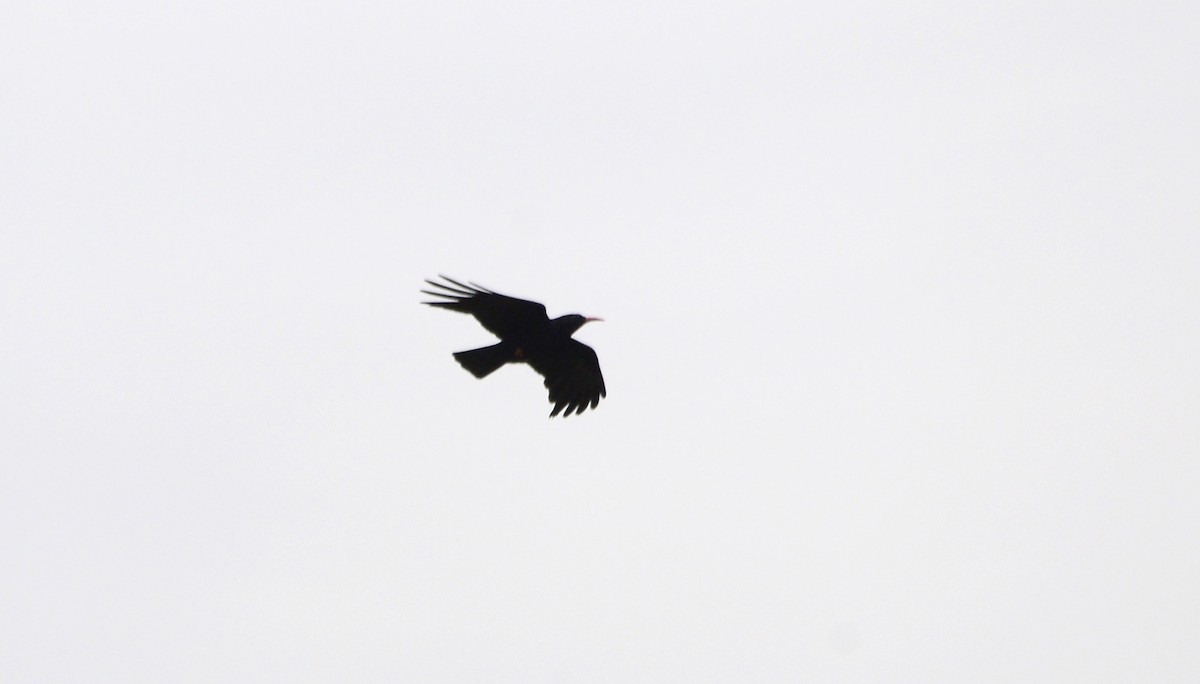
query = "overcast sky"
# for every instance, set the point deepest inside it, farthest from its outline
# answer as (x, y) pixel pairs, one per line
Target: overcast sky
(901, 342)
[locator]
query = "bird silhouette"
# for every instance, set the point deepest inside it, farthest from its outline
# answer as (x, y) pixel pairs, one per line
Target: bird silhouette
(527, 335)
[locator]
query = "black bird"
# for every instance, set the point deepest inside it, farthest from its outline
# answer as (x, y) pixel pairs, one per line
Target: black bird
(527, 335)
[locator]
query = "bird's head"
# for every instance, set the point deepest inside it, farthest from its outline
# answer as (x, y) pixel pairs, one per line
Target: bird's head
(572, 322)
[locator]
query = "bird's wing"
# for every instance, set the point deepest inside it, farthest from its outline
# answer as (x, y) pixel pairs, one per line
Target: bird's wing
(502, 315)
(572, 376)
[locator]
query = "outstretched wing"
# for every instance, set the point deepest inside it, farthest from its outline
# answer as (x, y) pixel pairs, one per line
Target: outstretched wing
(573, 377)
(502, 315)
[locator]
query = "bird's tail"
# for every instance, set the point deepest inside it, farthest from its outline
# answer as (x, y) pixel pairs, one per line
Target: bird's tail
(482, 361)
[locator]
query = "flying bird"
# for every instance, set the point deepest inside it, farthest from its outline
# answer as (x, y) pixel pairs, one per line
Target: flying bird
(527, 335)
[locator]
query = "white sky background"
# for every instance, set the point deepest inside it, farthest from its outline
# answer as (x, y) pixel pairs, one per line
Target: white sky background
(901, 342)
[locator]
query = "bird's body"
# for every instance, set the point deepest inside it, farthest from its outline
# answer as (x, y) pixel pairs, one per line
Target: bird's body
(527, 335)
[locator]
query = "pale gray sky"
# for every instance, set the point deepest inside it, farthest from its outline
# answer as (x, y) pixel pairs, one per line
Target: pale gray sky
(901, 342)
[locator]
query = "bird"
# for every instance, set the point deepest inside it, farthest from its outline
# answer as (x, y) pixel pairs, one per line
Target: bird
(571, 368)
